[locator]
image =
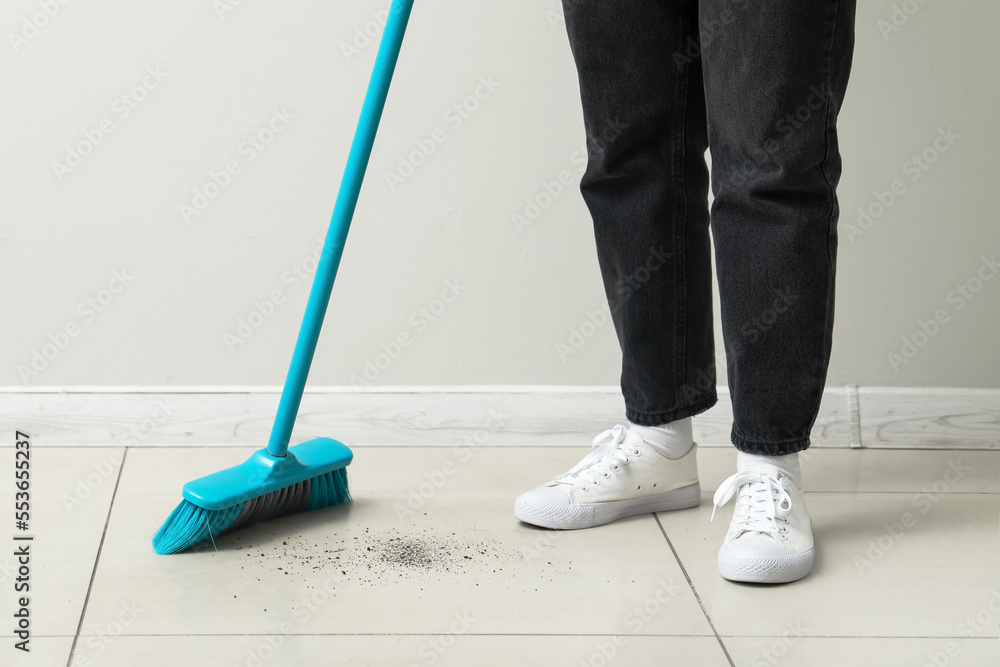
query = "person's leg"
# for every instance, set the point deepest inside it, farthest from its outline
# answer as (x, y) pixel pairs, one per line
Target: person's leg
(775, 75)
(646, 186)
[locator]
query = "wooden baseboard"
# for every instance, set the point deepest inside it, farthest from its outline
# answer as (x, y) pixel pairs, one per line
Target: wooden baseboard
(874, 417)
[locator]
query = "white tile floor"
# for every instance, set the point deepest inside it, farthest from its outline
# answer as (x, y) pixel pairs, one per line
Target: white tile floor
(485, 590)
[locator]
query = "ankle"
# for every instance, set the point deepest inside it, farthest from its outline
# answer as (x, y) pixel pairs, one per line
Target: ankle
(671, 441)
(787, 464)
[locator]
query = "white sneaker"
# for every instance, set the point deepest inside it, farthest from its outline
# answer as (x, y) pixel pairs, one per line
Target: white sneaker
(623, 476)
(770, 537)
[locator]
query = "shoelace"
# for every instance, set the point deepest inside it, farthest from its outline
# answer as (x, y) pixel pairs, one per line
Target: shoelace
(762, 508)
(606, 458)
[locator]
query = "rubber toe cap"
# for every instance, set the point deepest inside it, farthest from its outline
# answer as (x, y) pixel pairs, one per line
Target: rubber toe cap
(755, 546)
(552, 496)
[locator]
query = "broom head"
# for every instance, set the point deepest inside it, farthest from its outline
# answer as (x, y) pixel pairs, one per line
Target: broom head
(310, 476)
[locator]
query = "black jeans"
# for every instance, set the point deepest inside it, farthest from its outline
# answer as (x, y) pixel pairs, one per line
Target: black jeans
(760, 84)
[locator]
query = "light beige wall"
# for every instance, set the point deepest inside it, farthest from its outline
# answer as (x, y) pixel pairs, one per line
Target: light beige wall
(211, 79)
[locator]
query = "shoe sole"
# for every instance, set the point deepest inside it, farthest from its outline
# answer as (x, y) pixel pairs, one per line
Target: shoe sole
(572, 517)
(776, 570)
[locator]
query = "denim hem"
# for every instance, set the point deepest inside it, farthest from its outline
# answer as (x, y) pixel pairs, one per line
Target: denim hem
(769, 448)
(658, 418)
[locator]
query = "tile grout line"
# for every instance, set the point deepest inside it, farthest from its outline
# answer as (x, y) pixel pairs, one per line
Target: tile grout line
(694, 591)
(97, 561)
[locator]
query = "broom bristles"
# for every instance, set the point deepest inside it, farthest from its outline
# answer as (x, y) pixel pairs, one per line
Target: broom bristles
(190, 524)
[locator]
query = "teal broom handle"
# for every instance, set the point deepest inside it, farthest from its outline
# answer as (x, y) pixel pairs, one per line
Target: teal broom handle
(340, 224)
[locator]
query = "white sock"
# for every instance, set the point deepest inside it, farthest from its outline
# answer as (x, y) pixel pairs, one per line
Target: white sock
(672, 440)
(788, 464)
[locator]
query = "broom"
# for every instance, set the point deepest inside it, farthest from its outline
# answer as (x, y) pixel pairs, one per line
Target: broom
(280, 480)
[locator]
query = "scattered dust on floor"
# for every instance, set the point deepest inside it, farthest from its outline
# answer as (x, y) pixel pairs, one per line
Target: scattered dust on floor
(373, 557)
